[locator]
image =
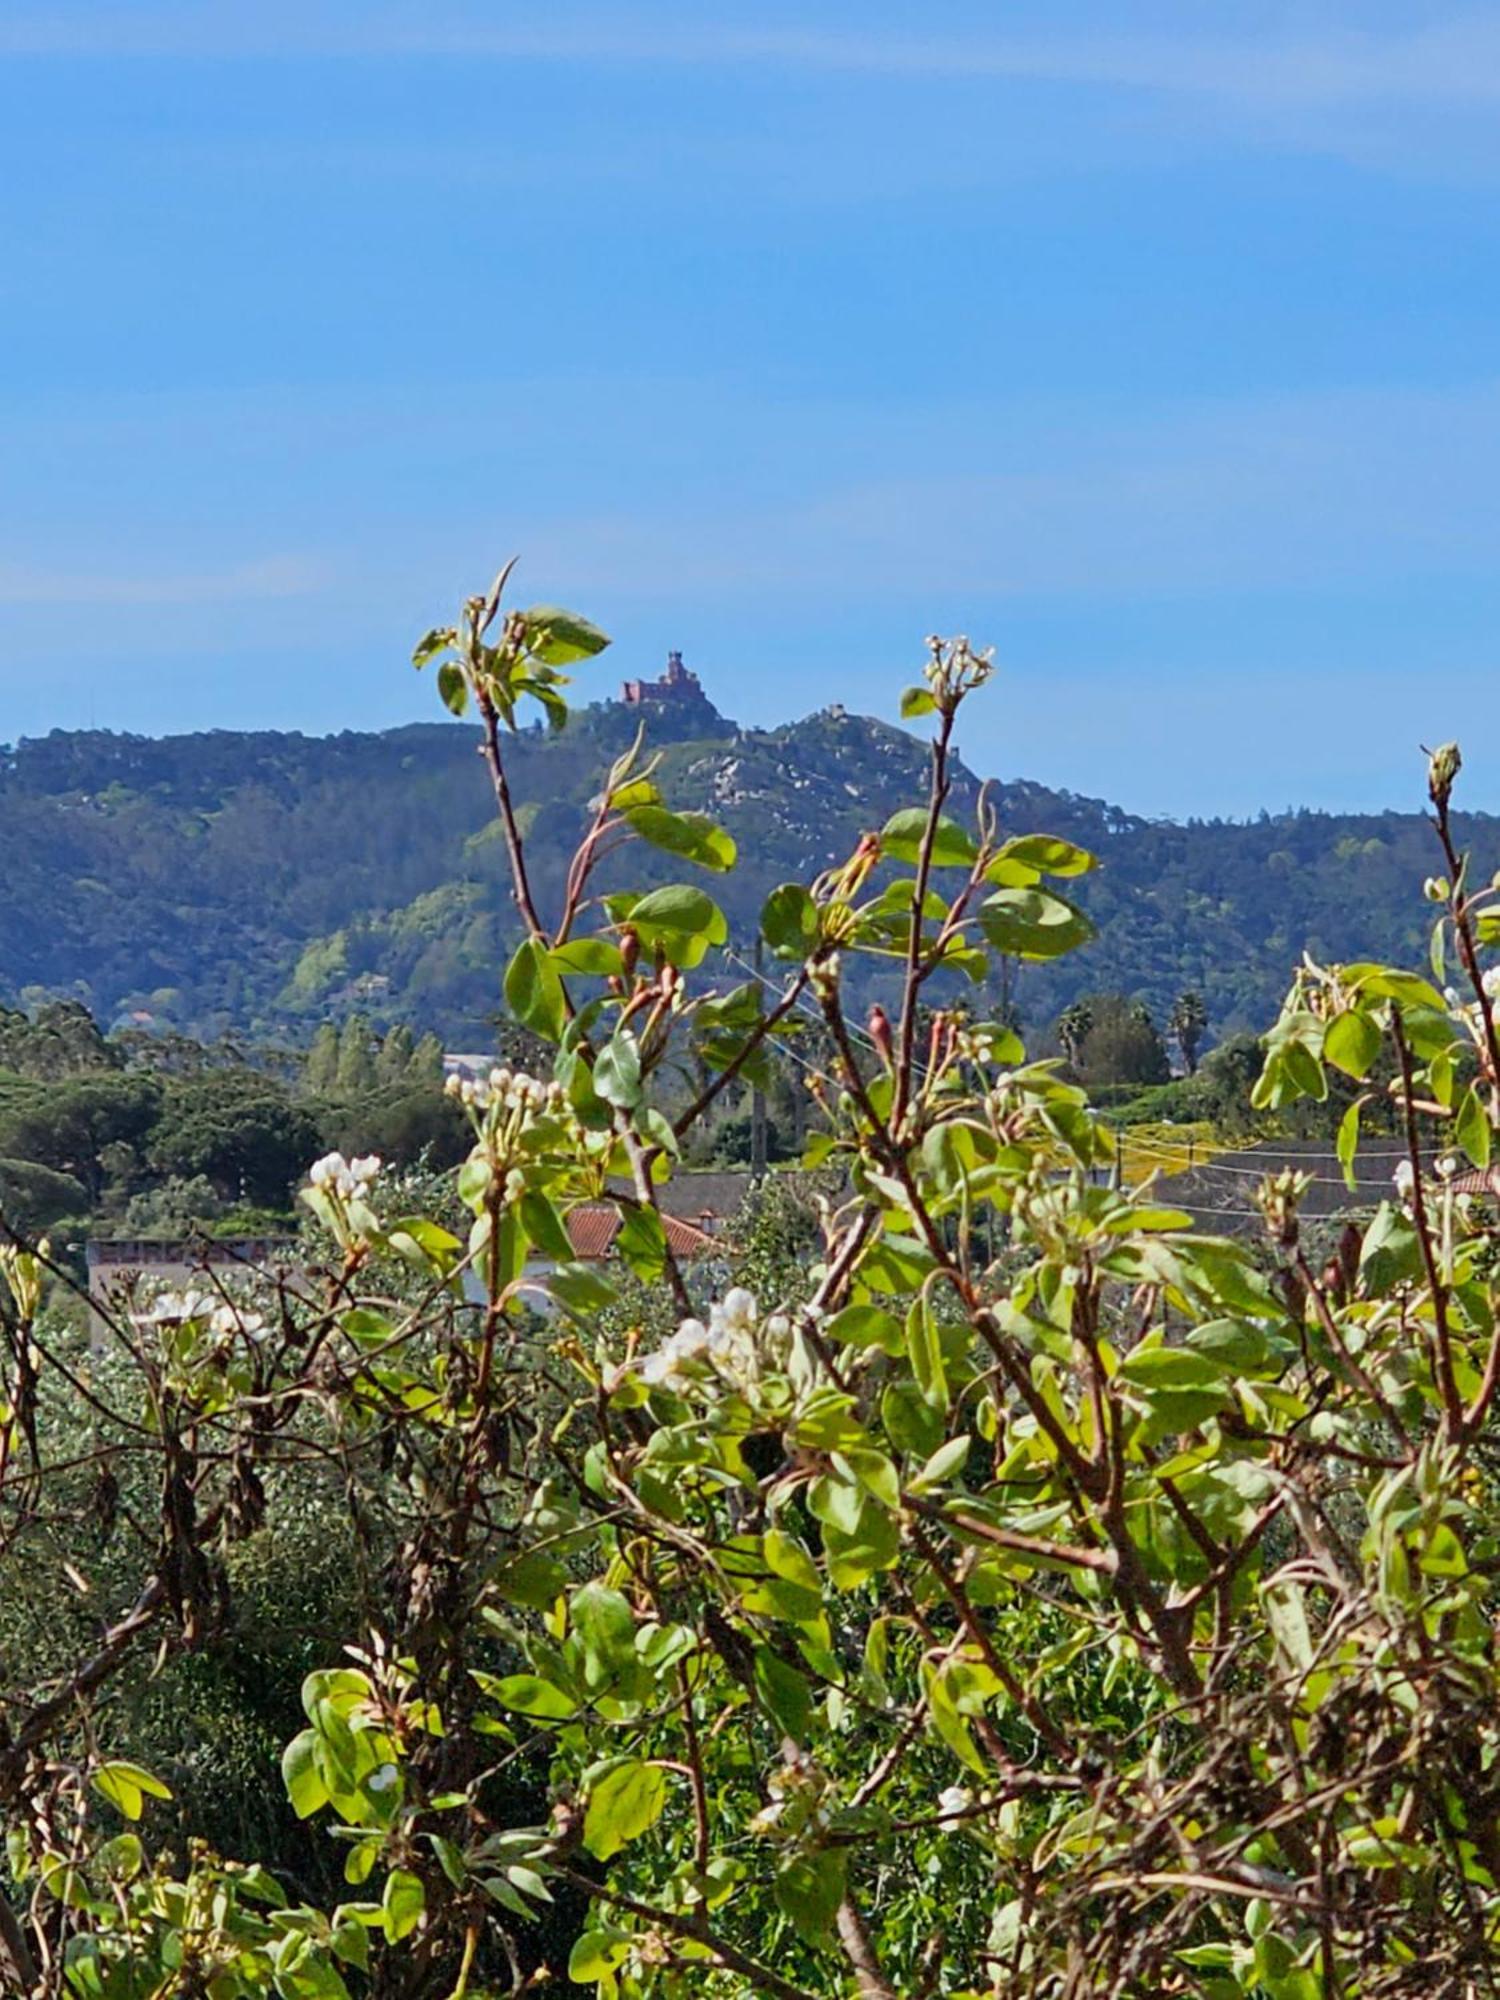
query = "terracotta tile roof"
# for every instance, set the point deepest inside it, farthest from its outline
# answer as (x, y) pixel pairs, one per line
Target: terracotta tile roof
(703, 1195)
(592, 1229)
(684, 1239)
(593, 1226)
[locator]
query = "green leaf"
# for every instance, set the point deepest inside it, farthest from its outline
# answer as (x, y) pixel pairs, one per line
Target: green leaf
(1384, 982)
(910, 1422)
(789, 921)
(944, 1462)
(450, 1859)
(1352, 1043)
(1043, 854)
(642, 1242)
(1471, 1127)
(916, 700)
(809, 1888)
(438, 640)
(680, 921)
(299, 1773)
(1304, 1071)
(617, 1072)
(1347, 1143)
(924, 1349)
(453, 689)
(604, 1625)
(596, 1954)
(783, 1693)
(692, 835)
(580, 1289)
(867, 1326)
(124, 1857)
(1170, 1368)
(1237, 1347)
(112, 1782)
(624, 1802)
(143, 1780)
(529, 1694)
(789, 1560)
(1179, 1388)
(854, 1555)
(402, 1904)
(599, 956)
(1033, 923)
(903, 833)
(531, 1577)
(558, 637)
(310, 1979)
(544, 1226)
(350, 1941)
(533, 991)
(1390, 1252)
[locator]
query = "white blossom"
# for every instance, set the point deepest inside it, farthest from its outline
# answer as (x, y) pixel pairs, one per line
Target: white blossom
(1491, 982)
(228, 1319)
(176, 1308)
(506, 1091)
(728, 1350)
(954, 1801)
(1405, 1179)
(345, 1178)
(777, 1339)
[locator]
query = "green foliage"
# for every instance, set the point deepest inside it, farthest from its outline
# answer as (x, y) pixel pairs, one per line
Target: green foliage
(287, 880)
(240, 1134)
(162, 1134)
(1111, 1615)
(34, 1197)
(1110, 1039)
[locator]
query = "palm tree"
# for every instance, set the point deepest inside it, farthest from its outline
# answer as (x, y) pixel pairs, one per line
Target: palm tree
(1186, 1024)
(1073, 1025)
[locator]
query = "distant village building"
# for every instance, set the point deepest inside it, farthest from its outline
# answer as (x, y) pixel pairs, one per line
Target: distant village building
(678, 688)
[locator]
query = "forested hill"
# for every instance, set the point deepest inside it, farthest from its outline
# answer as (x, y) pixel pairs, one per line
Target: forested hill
(263, 881)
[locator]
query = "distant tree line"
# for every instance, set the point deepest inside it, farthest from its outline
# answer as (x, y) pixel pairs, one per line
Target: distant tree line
(147, 1135)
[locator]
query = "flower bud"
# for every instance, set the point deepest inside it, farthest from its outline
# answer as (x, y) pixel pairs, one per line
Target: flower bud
(1443, 765)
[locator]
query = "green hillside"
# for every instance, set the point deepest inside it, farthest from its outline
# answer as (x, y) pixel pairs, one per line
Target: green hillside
(263, 881)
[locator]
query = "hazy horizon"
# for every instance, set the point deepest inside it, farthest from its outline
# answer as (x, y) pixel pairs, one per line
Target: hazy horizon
(1416, 806)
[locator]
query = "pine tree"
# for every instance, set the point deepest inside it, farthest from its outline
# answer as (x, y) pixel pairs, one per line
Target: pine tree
(356, 1072)
(393, 1063)
(321, 1072)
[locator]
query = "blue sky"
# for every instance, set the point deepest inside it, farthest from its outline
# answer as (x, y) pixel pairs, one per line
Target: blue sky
(1154, 344)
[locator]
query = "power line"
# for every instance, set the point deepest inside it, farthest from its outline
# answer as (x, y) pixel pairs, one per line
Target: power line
(1160, 1151)
(1174, 1170)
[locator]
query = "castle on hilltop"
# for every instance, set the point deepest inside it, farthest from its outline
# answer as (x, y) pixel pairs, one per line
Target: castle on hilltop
(678, 688)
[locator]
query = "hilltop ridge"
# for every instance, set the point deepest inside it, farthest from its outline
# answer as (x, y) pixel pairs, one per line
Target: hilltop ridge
(263, 880)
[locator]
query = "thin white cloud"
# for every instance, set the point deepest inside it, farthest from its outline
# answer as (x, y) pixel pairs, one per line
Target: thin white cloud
(274, 578)
(1451, 62)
